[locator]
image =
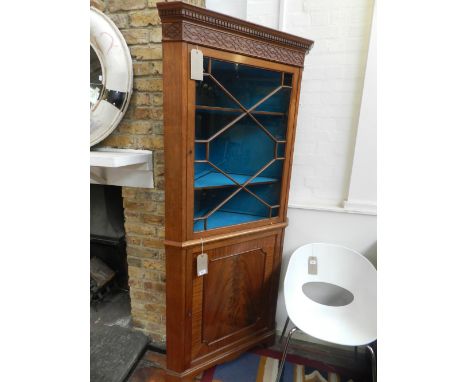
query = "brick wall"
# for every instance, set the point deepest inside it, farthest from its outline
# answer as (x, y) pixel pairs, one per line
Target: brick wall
(142, 128)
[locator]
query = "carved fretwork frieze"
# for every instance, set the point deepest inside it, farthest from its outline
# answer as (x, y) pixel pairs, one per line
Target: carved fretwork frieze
(172, 31)
(185, 22)
(198, 34)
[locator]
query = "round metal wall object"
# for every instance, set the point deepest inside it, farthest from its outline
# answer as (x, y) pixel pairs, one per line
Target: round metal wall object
(111, 95)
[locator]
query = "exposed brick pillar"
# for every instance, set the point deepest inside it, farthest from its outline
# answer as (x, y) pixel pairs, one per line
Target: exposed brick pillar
(142, 128)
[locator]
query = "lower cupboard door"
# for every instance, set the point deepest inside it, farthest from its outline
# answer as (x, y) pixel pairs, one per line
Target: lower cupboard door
(233, 301)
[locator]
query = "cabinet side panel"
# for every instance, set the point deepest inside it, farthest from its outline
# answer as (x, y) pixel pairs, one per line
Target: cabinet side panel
(175, 137)
(175, 119)
(275, 280)
(175, 309)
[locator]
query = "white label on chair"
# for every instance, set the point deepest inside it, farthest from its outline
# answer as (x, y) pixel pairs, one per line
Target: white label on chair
(202, 264)
(312, 265)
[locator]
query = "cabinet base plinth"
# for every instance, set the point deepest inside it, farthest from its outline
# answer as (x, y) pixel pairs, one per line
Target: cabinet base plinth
(227, 355)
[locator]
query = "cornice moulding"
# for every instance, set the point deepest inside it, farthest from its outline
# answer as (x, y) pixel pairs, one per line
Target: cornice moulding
(185, 22)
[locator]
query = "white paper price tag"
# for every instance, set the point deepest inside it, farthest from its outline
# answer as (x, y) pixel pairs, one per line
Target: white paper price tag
(196, 65)
(202, 264)
(312, 265)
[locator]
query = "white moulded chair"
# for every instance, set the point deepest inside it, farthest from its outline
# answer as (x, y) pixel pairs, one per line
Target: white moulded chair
(330, 293)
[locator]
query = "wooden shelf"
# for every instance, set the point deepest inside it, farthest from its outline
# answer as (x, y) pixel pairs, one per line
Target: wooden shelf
(223, 219)
(215, 179)
(232, 110)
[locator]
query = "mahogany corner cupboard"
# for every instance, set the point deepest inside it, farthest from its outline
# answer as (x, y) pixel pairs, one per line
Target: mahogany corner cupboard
(228, 143)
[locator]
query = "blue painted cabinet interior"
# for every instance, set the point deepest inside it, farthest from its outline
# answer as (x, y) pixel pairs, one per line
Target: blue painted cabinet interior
(241, 121)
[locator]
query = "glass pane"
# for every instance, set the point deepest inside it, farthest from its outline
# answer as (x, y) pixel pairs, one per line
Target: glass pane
(209, 122)
(280, 150)
(242, 208)
(246, 204)
(278, 102)
(287, 79)
(247, 83)
(207, 176)
(208, 93)
(200, 151)
(275, 170)
(238, 144)
(198, 226)
(275, 124)
(270, 193)
(206, 200)
(243, 149)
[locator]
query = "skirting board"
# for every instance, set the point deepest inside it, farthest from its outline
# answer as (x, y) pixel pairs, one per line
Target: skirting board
(349, 209)
(361, 206)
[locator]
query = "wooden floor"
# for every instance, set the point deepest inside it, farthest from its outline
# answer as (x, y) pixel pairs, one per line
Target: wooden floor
(151, 367)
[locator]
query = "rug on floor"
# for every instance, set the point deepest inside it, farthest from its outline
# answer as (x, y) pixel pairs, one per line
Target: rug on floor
(262, 365)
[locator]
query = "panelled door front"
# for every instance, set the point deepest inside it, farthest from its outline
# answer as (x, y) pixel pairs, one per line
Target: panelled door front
(231, 301)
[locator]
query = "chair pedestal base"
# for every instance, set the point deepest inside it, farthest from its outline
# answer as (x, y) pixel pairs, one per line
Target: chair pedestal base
(288, 340)
(285, 351)
(374, 362)
(284, 330)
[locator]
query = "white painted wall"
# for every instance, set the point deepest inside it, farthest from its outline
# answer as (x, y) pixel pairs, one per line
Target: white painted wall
(322, 186)
(328, 121)
(235, 8)
(264, 12)
(331, 96)
(363, 186)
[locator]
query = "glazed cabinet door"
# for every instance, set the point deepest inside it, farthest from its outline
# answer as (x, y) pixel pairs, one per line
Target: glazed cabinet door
(240, 128)
(233, 301)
